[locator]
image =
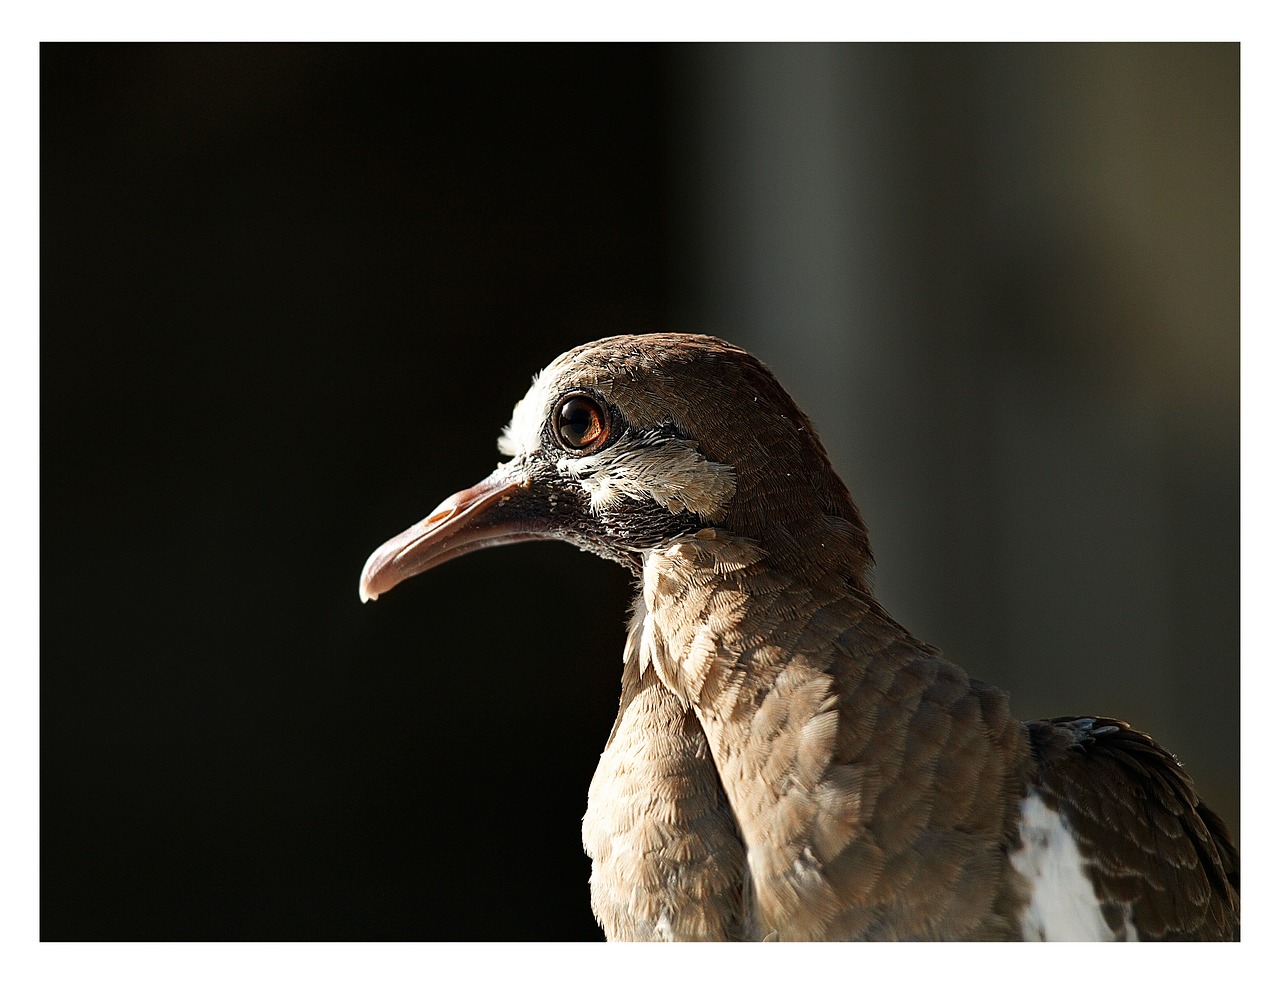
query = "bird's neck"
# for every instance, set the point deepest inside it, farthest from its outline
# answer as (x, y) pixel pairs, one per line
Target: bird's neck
(720, 619)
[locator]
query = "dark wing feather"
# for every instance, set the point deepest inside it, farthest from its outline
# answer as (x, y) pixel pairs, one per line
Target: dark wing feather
(1155, 851)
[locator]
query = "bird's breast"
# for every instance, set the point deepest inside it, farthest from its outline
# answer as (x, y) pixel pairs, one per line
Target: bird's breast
(871, 780)
(667, 859)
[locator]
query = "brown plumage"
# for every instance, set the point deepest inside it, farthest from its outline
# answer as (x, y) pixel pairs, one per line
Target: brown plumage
(788, 761)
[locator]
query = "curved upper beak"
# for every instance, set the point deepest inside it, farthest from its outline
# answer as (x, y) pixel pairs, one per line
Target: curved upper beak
(494, 512)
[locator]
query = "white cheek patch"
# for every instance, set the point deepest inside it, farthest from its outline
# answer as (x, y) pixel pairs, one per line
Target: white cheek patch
(671, 471)
(524, 434)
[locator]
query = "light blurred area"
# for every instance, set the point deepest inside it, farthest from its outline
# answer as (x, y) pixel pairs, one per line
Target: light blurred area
(1003, 281)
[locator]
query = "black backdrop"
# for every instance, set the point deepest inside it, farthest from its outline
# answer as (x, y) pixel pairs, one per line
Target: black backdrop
(289, 295)
(283, 290)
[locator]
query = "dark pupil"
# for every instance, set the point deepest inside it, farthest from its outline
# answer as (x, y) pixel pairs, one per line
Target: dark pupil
(577, 422)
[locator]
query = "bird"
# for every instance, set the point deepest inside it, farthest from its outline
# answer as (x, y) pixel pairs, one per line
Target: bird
(788, 761)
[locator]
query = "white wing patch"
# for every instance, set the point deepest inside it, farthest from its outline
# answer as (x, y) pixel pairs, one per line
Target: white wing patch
(1064, 906)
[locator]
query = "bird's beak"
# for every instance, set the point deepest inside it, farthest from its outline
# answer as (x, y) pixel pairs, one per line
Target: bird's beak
(494, 512)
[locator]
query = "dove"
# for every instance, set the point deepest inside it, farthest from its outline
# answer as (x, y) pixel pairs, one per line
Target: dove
(788, 761)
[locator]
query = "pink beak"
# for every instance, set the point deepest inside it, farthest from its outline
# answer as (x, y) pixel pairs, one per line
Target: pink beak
(486, 515)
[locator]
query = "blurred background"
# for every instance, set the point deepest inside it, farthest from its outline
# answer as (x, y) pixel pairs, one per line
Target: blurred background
(289, 295)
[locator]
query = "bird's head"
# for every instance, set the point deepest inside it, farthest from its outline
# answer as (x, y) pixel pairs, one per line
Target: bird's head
(625, 443)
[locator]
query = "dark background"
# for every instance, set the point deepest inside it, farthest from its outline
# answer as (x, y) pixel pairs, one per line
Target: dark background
(290, 294)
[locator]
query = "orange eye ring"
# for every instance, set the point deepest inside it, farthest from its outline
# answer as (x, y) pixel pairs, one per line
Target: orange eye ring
(580, 424)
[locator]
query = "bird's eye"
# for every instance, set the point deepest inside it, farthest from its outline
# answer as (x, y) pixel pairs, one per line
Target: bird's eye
(581, 424)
